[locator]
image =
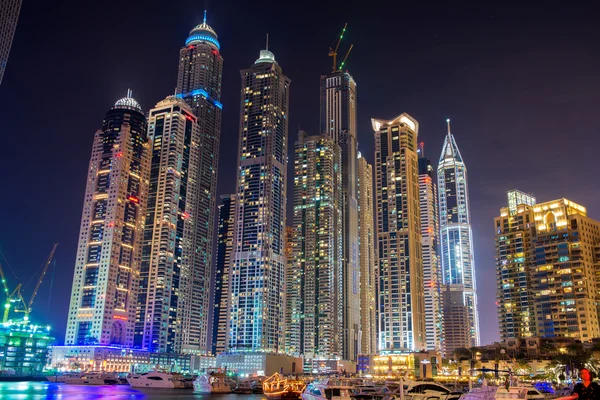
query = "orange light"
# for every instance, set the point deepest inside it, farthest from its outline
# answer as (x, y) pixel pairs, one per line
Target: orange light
(120, 317)
(133, 199)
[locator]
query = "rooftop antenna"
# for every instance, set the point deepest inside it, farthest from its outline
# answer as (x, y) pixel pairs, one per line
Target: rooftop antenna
(204, 22)
(448, 123)
(267, 42)
(129, 93)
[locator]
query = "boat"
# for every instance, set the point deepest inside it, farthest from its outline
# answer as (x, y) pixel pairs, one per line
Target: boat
(156, 379)
(502, 392)
(88, 378)
(278, 387)
(371, 392)
(419, 390)
(328, 389)
(61, 378)
(212, 382)
(243, 387)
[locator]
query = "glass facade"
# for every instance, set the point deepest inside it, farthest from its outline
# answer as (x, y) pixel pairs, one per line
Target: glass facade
(258, 261)
(456, 241)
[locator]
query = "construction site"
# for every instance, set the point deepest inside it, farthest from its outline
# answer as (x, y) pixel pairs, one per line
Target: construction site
(23, 344)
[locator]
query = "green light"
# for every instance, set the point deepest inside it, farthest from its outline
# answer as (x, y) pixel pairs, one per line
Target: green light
(7, 305)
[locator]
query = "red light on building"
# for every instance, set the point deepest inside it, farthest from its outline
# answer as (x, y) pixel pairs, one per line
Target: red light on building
(185, 215)
(133, 199)
(215, 52)
(120, 154)
(110, 225)
(120, 317)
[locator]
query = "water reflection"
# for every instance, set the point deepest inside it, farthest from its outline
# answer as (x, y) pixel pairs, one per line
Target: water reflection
(49, 390)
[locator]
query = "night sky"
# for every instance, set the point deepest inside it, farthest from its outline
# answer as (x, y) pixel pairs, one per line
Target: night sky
(520, 83)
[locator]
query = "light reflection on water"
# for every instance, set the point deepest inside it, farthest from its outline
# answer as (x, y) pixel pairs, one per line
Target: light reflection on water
(49, 390)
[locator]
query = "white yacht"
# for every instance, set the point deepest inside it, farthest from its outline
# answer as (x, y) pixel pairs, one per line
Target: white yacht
(212, 382)
(156, 379)
(328, 389)
(501, 393)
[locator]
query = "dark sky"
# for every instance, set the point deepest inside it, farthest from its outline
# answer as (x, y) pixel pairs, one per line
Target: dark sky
(520, 83)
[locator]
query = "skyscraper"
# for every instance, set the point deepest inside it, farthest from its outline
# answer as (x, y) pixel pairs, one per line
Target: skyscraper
(9, 16)
(400, 270)
(317, 305)
(338, 121)
(199, 85)
(103, 298)
(431, 268)
(258, 260)
(169, 232)
(456, 239)
(515, 236)
(368, 263)
(548, 255)
(293, 282)
(224, 247)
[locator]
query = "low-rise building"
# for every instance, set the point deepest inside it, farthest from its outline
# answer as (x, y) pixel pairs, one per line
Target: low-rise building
(23, 348)
(409, 364)
(259, 364)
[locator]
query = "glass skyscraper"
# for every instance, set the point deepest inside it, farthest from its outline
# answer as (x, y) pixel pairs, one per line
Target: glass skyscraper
(338, 121)
(169, 231)
(257, 271)
(105, 282)
(456, 242)
(400, 302)
(199, 85)
(315, 301)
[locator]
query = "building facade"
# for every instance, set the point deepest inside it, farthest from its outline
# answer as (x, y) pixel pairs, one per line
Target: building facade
(106, 277)
(515, 235)
(9, 16)
(401, 302)
(199, 85)
(169, 230)
(368, 262)
(257, 275)
(456, 238)
(548, 254)
(224, 247)
(292, 289)
(434, 322)
(316, 308)
(338, 121)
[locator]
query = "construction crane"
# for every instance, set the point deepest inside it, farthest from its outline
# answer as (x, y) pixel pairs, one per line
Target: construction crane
(16, 297)
(333, 50)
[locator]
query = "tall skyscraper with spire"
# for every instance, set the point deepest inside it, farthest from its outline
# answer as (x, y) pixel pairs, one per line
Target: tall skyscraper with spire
(105, 283)
(9, 16)
(338, 121)
(431, 266)
(315, 306)
(400, 270)
(258, 262)
(199, 85)
(169, 232)
(456, 244)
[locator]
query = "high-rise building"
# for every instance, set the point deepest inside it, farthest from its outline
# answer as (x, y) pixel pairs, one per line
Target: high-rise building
(199, 85)
(170, 239)
(368, 262)
(9, 16)
(431, 268)
(105, 283)
(515, 235)
(338, 121)
(292, 289)
(224, 247)
(316, 309)
(456, 239)
(258, 260)
(400, 270)
(548, 254)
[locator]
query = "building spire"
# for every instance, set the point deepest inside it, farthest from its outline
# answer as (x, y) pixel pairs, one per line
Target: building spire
(448, 123)
(129, 93)
(267, 47)
(204, 22)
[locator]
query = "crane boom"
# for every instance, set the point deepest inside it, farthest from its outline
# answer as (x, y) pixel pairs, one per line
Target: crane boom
(333, 52)
(345, 58)
(39, 282)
